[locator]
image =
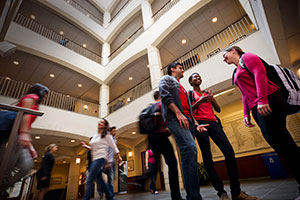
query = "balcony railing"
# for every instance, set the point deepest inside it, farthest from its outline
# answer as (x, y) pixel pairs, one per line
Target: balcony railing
(167, 6)
(233, 33)
(17, 89)
(113, 17)
(124, 44)
(56, 37)
(130, 95)
(85, 11)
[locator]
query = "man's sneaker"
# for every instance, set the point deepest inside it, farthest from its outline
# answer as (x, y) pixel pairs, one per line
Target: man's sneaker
(224, 196)
(244, 196)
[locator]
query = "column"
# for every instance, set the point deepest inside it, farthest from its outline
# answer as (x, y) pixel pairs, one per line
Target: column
(104, 99)
(106, 19)
(147, 14)
(154, 66)
(73, 180)
(105, 53)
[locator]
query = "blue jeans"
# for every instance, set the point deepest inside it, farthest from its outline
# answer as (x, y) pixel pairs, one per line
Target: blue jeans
(216, 133)
(95, 173)
(188, 151)
(110, 172)
(152, 175)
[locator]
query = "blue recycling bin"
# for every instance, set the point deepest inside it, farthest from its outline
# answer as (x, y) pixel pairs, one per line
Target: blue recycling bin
(274, 165)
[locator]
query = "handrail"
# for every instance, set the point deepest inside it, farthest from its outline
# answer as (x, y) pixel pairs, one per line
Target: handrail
(84, 11)
(159, 12)
(224, 38)
(127, 41)
(111, 19)
(24, 110)
(56, 37)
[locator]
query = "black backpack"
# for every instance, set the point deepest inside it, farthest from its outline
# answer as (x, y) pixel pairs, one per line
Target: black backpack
(146, 121)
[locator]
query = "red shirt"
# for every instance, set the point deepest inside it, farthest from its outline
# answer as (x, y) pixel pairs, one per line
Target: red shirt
(204, 111)
(34, 107)
(151, 158)
(184, 102)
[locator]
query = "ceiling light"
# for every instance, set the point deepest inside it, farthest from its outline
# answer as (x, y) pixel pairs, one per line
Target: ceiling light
(215, 19)
(183, 41)
(52, 75)
(72, 141)
(85, 107)
(35, 160)
(79, 85)
(61, 32)
(298, 71)
(68, 95)
(16, 62)
(77, 161)
(224, 92)
(130, 78)
(128, 99)
(32, 16)
(87, 15)
(64, 161)
(37, 137)
(133, 133)
(84, 45)
(148, 66)
(252, 26)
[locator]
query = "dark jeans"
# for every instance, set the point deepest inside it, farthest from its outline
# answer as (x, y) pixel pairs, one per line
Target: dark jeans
(216, 133)
(273, 128)
(110, 172)
(161, 145)
(152, 173)
(188, 151)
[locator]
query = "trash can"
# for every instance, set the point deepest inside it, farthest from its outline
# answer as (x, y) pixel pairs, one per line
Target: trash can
(274, 165)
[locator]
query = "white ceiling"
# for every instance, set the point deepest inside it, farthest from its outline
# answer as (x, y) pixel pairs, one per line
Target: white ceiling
(33, 69)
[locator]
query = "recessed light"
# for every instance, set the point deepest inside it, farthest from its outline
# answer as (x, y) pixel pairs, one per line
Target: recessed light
(130, 78)
(79, 85)
(37, 137)
(73, 141)
(52, 75)
(148, 66)
(16, 62)
(61, 32)
(64, 161)
(128, 99)
(183, 41)
(68, 95)
(85, 107)
(84, 45)
(215, 19)
(87, 15)
(133, 133)
(128, 39)
(32, 16)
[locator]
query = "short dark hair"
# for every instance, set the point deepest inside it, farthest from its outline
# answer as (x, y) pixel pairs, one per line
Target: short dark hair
(237, 48)
(191, 77)
(39, 90)
(173, 65)
(112, 128)
(156, 95)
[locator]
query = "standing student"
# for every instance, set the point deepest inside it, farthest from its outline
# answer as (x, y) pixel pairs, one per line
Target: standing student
(177, 111)
(269, 109)
(203, 103)
(44, 173)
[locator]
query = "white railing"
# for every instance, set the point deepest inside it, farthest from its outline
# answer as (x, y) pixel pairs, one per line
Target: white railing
(85, 11)
(233, 33)
(56, 37)
(17, 89)
(130, 95)
(167, 6)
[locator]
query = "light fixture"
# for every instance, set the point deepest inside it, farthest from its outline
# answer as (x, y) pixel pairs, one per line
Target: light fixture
(16, 62)
(32, 16)
(224, 92)
(77, 161)
(252, 26)
(68, 96)
(64, 161)
(130, 78)
(7, 78)
(133, 133)
(298, 71)
(214, 20)
(148, 66)
(52, 75)
(79, 85)
(61, 32)
(37, 137)
(72, 141)
(84, 45)
(87, 15)
(85, 107)
(183, 41)
(128, 99)
(129, 154)
(35, 160)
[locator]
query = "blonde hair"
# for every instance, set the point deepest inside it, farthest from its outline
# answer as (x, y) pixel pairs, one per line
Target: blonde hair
(49, 147)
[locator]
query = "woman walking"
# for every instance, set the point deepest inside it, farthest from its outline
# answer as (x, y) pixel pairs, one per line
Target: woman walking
(151, 166)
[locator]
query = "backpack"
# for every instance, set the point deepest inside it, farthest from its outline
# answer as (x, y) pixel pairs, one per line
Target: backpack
(146, 121)
(284, 78)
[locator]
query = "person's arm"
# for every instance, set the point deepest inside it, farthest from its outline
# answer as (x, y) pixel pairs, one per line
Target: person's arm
(201, 100)
(114, 147)
(183, 121)
(84, 145)
(215, 105)
(247, 119)
(146, 159)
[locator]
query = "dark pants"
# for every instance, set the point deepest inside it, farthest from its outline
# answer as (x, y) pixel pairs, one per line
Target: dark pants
(216, 133)
(273, 128)
(152, 173)
(161, 145)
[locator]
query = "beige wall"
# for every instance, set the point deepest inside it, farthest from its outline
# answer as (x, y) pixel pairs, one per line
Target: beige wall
(60, 171)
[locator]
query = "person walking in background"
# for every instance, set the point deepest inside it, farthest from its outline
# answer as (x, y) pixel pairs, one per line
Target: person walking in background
(151, 167)
(267, 104)
(98, 145)
(176, 110)
(44, 173)
(203, 103)
(22, 157)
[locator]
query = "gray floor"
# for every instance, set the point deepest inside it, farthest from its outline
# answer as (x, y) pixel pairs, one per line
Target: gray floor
(264, 189)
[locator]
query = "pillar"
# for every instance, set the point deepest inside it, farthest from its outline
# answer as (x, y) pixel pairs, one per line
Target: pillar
(154, 66)
(106, 19)
(105, 53)
(147, 14)
(104, 99)
(73, 180)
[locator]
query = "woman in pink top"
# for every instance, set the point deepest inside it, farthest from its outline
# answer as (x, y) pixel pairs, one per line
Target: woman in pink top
(265, 100)
(151, 166)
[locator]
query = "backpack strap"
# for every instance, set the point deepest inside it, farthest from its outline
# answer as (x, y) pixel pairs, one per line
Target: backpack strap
(233, 75)
(191, 96)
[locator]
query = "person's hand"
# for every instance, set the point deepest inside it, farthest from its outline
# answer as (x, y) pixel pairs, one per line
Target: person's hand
(183, 121)
(44, 178)
(264, 109)
(24, 140)
(201, 128)
(247, 122)
(204, 99)
(147, 167)
(119, 158)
